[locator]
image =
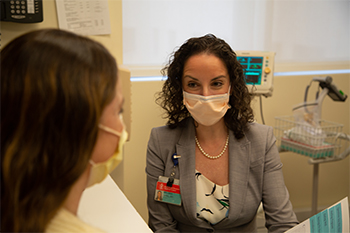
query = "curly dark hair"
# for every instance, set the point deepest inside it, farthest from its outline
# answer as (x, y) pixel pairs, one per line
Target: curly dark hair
(171, 97)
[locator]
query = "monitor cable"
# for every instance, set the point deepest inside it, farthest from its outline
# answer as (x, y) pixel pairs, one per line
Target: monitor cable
(261, 111)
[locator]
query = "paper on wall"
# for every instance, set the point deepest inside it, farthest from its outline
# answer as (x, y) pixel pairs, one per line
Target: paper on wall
(85, 17)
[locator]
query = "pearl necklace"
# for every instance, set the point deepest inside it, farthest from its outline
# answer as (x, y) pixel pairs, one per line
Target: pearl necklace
(209, 156)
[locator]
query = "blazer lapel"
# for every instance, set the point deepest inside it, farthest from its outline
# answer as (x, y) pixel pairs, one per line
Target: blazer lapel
(187, 166)
(238, 174)
(238, 178)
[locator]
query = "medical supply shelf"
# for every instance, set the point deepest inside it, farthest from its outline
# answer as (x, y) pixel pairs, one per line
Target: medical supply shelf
(321, 143)
(305, 139)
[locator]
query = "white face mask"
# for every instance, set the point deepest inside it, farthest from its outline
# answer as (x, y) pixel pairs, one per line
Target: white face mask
(99, 171)
(207, 110)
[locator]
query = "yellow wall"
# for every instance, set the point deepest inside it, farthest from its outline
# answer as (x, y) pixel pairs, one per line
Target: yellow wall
(145, 114)
(113, 41)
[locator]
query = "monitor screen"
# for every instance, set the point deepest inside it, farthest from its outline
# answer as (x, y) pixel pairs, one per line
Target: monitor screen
(258, 69)
(253, 67)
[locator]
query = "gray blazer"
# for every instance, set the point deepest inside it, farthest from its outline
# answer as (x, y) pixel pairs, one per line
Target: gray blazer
(255, 176)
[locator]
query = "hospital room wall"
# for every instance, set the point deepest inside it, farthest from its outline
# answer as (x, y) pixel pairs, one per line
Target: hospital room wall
(145, 114)
(113, 41)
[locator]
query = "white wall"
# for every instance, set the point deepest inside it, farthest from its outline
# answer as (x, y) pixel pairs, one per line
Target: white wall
(298, 31)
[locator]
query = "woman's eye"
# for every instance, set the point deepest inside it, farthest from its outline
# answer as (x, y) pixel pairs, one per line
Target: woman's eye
(192, 85)
(217, 84)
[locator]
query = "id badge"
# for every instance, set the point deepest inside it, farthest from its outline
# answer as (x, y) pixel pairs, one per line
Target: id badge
(164, 193)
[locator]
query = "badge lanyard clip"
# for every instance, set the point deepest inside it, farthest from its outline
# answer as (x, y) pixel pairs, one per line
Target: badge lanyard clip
(175, 158)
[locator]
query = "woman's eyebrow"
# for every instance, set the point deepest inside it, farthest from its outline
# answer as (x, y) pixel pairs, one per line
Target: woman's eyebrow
(221, 76)
(189, 76)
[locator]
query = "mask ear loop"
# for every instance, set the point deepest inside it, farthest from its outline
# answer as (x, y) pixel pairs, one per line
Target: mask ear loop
(109, 130)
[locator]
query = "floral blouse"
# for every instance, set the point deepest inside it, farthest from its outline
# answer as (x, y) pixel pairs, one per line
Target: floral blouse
(212, 200)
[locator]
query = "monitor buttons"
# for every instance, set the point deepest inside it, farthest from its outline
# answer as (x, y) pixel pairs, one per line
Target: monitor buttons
(267, 70)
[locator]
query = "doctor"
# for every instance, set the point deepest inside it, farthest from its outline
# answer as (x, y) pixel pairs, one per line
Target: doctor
(225, 163)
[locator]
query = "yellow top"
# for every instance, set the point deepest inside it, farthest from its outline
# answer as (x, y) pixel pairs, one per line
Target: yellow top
(65, 221)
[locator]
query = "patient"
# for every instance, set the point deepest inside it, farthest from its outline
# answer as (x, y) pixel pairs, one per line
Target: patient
(61, 128)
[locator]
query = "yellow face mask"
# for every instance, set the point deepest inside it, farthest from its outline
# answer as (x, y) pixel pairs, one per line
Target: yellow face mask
(99, 171)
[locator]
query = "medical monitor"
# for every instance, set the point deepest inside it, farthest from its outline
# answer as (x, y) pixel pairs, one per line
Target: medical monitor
(258, 67)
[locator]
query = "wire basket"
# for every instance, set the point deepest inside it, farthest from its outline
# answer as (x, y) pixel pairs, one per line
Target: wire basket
(308, 140)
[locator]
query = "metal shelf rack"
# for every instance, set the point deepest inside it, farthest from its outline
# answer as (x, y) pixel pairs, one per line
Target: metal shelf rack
(321, 143)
